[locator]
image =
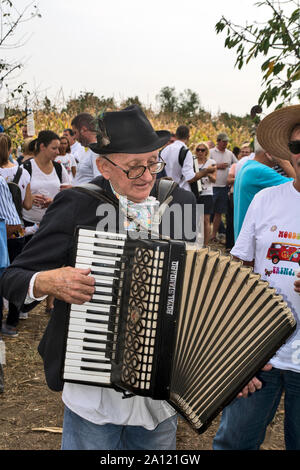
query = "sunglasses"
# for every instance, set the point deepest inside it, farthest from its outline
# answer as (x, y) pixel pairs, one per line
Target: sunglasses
(294, 146)
(200, 150)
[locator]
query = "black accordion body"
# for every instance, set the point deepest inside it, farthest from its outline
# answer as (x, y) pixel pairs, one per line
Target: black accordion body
(168, 321)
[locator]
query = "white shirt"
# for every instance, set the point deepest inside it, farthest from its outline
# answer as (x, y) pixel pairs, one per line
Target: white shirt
(68, 161)
(272, 228)
(76, 150)
(9, 174)
(243, 160)
(48, 185)
(180, 175)
(222, 157)
(207, 185)
(101, 405)
(87, 169)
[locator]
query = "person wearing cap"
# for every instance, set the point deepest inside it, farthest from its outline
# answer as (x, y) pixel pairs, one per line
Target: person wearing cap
(224, 159)
(270, 241)
(95, 417)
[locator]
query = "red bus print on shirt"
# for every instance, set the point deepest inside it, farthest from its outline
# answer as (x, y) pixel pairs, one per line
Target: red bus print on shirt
(284, 252)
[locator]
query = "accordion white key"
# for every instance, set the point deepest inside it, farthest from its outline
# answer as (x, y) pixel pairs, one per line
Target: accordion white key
(187, 325)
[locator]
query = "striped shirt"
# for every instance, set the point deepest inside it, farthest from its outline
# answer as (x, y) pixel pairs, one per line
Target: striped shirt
(8, 211)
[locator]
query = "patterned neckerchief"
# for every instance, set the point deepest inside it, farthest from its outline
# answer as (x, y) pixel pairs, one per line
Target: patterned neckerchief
(138, 214)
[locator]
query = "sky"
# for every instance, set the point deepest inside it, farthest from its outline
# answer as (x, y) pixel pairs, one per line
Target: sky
(124, 48)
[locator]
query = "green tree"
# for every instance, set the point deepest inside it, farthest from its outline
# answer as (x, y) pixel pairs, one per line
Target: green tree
(279, 40)
(189, 104)
(130, 101)
(167, 100)
(88, 102)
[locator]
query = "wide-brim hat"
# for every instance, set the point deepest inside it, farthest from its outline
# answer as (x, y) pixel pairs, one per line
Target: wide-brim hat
(274, 131)
(127, 131)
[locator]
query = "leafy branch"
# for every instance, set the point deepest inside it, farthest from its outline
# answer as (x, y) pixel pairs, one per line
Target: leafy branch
(279, 37)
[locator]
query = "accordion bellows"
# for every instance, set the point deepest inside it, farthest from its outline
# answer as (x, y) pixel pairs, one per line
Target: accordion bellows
(187, 325)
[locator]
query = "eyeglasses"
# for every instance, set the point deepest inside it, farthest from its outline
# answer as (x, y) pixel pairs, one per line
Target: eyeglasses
(294, 146)
(200, 150)
(138, 171)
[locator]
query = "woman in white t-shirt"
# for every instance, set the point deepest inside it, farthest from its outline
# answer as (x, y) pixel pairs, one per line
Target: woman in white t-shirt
(66, 158)
(45, 181)
(205, 196)
(47, 176)
(16, 241)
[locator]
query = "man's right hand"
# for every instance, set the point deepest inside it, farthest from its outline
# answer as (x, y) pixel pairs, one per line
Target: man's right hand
(72, 285)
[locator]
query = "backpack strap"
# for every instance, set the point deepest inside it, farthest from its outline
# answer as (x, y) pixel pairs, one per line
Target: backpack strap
(17, 175)
(182, 154)
(27, 166)
(58, 169)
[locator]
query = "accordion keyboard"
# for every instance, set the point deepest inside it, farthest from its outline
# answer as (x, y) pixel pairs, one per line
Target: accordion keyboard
(92, 326)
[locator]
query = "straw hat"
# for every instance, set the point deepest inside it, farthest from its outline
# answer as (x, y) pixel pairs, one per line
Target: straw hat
(274, 131)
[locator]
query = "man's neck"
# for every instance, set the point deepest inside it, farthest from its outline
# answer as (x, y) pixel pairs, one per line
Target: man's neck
(296, 184)
(263, 160)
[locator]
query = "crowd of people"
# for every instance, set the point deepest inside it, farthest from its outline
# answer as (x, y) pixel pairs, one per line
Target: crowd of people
(251, 203)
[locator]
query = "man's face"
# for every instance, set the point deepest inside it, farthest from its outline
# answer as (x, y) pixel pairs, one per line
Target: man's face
(295, 158)
(81, 135)
(245, 152)
(222, 144)
(136, 190)
(69, 137)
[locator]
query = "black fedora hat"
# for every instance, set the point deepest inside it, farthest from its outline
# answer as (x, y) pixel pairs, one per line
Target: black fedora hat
(127, 131)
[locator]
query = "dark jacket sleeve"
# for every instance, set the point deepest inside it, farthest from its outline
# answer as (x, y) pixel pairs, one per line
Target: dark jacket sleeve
(49, 248)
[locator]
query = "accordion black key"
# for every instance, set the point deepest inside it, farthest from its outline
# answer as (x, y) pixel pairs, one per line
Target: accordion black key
(172, 322)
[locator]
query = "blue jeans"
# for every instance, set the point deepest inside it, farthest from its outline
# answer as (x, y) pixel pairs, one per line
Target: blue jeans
(80, 434)
(245, 420)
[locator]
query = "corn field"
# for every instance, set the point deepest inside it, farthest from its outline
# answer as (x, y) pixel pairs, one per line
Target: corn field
(199, 130)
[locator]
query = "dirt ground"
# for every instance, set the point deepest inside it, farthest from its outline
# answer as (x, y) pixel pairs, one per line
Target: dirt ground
(31, 415)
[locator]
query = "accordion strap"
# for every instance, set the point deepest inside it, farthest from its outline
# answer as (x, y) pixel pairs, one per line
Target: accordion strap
(97, 192)
(164, 186)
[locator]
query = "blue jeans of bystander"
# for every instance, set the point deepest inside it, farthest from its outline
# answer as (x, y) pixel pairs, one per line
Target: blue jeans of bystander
(245, 420)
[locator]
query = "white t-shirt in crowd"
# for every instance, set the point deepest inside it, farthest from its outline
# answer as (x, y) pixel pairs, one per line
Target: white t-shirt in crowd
(243, 160)
(222, 157)
(270, 235)
(9, 174)
(48, 185)
(86, 169)
(76, 150)
(68, 161)
(181, 175)
(207, 185)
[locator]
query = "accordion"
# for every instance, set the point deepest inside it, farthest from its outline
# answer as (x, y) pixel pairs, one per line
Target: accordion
(168, 321)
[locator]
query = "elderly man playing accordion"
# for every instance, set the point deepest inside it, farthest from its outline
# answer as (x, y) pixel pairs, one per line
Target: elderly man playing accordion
(96, 417)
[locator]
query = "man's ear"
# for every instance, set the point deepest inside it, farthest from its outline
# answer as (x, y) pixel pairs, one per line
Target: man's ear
(104, 167)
